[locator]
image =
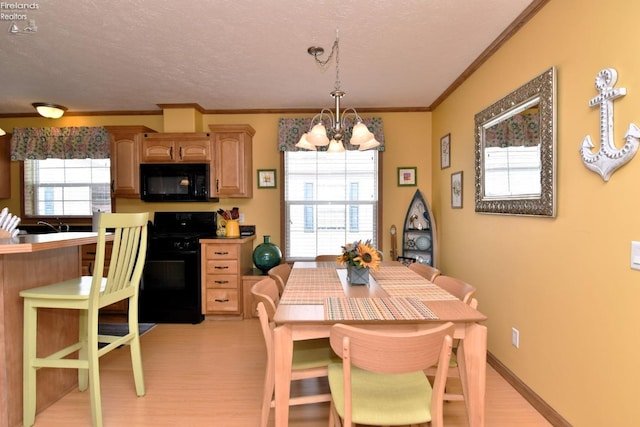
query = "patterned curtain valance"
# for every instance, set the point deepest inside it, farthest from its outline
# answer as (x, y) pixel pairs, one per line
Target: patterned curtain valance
(520, 130)
(290, 131)
(60, 143)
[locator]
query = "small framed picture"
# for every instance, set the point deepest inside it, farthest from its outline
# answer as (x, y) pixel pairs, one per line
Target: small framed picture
(445, 151)
(456, 190)
(407, 177)
(266, 178)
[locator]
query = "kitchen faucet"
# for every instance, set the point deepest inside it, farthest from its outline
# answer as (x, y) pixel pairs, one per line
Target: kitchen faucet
(58, 229)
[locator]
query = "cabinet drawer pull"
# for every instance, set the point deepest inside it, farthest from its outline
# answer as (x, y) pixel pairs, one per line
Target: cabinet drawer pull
(221, 267)
(222, 253)
(222, 300)
(221, 282)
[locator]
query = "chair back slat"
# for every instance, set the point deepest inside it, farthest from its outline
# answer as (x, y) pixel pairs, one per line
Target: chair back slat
(280, 273)
(127, 258)
(373, 350)
(426, 271)
(266, 292)
(456, 287)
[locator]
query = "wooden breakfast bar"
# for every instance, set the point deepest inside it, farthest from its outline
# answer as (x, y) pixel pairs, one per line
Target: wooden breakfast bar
(28, 261)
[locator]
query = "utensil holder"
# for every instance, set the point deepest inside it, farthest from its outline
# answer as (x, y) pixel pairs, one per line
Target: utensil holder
(232, 228)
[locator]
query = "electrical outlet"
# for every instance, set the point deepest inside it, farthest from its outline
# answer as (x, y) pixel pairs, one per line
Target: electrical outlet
(515, 337)
(241, 219)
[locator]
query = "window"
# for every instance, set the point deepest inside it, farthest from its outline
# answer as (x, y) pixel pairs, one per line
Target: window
(330, 199)
(60, 187)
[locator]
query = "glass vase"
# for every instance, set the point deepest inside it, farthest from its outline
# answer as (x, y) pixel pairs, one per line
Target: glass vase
(267, 255)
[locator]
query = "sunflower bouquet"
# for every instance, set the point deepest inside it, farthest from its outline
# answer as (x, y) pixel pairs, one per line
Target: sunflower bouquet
(360, 255)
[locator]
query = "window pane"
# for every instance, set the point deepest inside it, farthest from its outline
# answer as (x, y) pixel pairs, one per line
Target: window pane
(60, 187)
(331, 199)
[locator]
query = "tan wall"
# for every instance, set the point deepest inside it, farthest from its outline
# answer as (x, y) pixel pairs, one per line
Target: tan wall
(408, 142)
(565, 283)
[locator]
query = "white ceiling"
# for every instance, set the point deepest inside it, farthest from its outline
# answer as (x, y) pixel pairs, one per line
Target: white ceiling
(131, 55)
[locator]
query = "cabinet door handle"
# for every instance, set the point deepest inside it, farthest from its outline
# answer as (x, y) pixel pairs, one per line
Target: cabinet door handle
(171, 153)
(221, 282)
(90, 268)
(221, 267)
(222, 253)
(180, 153)
(113, 185)
(217, 185)
(222, 299)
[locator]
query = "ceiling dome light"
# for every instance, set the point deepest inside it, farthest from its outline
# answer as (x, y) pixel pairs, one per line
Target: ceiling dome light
(50, 111)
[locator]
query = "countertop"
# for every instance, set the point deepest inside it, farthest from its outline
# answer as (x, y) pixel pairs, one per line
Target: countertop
(228, 239)
(41, 242)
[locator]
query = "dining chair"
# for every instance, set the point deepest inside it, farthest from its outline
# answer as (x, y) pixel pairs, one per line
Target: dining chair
(456, 287)
(426, 271)
(327, 258)
(280, 273)
(310, 357)
(88, 294)
(464, 292)
(381, 379)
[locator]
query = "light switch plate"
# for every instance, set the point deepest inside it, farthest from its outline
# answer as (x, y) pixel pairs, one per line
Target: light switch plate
(635, 255)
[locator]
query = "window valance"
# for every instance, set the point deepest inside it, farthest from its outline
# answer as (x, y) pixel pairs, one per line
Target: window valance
(81, 142)
(290, 131)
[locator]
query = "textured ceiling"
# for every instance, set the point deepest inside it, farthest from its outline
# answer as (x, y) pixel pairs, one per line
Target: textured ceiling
(131, 55)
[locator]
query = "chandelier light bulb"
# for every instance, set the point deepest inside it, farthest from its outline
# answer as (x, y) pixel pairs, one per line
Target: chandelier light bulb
(305, 144)
(318, 135)
(360, 134)
(335, 147)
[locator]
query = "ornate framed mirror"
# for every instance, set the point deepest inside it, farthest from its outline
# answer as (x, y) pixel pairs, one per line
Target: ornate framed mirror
(515, 151)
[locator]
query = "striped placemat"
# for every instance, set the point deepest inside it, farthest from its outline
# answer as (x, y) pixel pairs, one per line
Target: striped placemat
(400, 281)
(397, 274)
(376, 309)
(311, 286)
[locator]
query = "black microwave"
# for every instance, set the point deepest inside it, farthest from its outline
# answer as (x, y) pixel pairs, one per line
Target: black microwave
(174, 182)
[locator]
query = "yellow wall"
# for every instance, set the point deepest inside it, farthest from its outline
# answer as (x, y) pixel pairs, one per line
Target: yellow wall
(407, 138)
(565, 283)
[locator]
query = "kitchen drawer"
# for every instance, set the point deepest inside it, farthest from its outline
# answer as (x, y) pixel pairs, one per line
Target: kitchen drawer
(222, 266)
(222, 300)
(222, 251)
(222, 281)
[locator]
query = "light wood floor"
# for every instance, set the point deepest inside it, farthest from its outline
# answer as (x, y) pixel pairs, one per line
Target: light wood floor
(211, 374)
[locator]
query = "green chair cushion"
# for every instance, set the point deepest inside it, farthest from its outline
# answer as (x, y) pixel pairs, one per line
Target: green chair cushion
(382, 399)
(312, 354)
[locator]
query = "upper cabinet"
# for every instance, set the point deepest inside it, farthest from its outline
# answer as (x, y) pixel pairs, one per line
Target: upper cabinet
(233, 162)
(126, 142)
(176, 147)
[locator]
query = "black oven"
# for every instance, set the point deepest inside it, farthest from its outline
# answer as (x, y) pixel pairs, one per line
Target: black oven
(170, 291)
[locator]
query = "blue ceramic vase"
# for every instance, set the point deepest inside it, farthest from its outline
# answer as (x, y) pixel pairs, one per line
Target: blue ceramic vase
(267, 255)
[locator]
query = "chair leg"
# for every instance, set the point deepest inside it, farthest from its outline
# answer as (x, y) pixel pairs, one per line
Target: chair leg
(136, 363)
(29, 371)
(83, 354)
(94, 369)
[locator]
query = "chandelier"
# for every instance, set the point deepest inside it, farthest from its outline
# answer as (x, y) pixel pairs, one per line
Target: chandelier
(317, 135)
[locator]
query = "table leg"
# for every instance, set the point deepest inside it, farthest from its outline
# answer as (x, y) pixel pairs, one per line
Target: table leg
(283, 350)
(472, 362)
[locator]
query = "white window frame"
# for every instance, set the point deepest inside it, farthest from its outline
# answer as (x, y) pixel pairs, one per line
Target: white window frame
(339, 191)
(64, 202)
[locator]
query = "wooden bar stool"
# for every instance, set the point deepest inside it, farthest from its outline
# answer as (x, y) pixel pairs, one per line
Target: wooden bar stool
(88, 294)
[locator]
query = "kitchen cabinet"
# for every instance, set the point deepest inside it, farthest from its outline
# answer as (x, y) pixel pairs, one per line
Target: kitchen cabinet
(87, 262)
(233, 161)
(224, 263)
(126, 143)
(5, 166)
(190, 147)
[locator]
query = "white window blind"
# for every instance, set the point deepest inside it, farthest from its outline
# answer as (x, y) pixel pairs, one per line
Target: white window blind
(63, 187)
(330, 199)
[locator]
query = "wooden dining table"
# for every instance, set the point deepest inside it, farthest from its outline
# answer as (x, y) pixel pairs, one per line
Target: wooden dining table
(317, 295)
